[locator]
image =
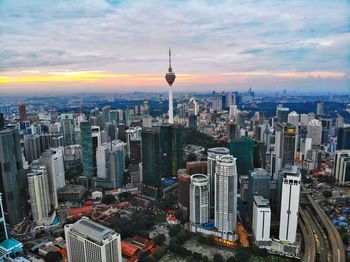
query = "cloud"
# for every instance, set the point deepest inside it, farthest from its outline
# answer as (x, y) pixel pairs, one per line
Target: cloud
(207, 37)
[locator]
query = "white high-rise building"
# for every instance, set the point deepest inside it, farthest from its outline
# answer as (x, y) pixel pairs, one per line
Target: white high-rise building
(102, 160)
(314, 131)
(293, 118)
(147, 121)
(305, 146)
(39, 194)
(233, 112)
(261, 220)
(305, 118)
(199, 199)
(226, 194)
(342, 166)
(53, 160)
(289, 204)
(211, 163)
(90, 241)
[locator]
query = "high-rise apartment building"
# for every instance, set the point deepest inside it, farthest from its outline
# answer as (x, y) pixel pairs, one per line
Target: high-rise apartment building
(314, 131)
(211, 169)
(90, 241)
(199, 199)
(53, 160)
(289, 206)
(293, 118)
(39, 194)
(226, 187)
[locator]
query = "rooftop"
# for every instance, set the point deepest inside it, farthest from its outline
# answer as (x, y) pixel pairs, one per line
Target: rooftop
(93, 230)
(260, 201)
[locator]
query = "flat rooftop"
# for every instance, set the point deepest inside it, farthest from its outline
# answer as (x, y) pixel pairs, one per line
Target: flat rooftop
(92, 230)
(260, 201)
(71, 189)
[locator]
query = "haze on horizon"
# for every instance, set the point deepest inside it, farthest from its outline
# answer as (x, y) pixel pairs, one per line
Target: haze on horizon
(121, 46)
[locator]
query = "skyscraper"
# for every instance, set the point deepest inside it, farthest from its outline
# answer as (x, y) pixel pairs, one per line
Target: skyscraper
(226, 194)
(285, 145)
(343, 139)
(39, 194)
(67, 123)
(183, 190)
(151, 157)
(212, 157)
(32, 148)
(22, 112)
(91, 241)
(261, 221)
(12, 175)
(342, 166)
(282, 114)
(87, 149)
(52, 159)
(170, 78)
(289, 204)
(314, 131)
(199, 199)
(243, 150)
(320, 108)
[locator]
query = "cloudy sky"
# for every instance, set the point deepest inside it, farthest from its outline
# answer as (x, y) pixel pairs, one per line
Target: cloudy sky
(122, 46)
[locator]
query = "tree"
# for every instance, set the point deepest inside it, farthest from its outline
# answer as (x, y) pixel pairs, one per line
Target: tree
(174, 230)
(346, 240)
(243, 255)
(191, 157)
(197, 256)
(159, 239)
(231, 259)
(218, 258)
(327, 194)
(159, 253)
(108, 199)
(53, 257)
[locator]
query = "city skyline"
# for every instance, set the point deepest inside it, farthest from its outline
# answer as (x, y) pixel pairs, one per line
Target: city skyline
(121, 46)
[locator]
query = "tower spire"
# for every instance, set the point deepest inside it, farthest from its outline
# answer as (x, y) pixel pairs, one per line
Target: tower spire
(170, 69)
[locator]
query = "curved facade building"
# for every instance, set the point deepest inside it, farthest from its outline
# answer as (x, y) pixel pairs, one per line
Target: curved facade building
(199, 199)
(226, 194)
(212, 154)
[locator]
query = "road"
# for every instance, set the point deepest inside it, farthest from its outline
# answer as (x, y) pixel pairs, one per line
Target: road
(324, 229)
(308, 236)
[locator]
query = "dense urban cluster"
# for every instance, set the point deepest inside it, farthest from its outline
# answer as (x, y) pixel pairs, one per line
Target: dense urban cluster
(226, 181)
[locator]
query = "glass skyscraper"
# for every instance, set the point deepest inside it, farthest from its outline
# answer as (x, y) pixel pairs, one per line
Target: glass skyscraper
(87, 150)
(12, 183)
(243, 150)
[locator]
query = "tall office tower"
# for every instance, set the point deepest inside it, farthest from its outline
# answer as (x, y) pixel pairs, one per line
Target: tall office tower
(192, 121)
(259, 160)
(151, 157)
(305, 118)
(285, 145)
(105, 113)
(87, 149)
(233, 130)
(289, 204)
(39, 194)
(121, 132)
(32, 149)
(261, 221)
(67, 124)
(243, 150)
(91, 241)
(118, 163)
(96, 142)
(12, 175)
(193, 107)
(22, 112)
(199, 199)
(102, 155)
(293, 118)
(170, 78)
(120, 116)
(226, 186)
(132, 134)
(258, 184)
(233, 112)
(52, 159)
(314, 131)
(320, 108)
(305, 146)
(113, 117)
(211, 169)
(343, 139)
(183, 190)
(282, 114)
(342, 166)
(2, 121)
(111, 131)
(147, 121)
